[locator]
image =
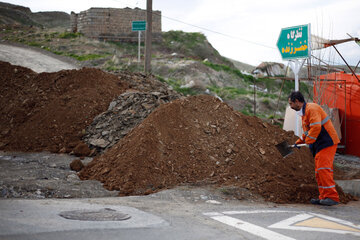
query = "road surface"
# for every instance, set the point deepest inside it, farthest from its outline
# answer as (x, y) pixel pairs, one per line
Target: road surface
(37, 60)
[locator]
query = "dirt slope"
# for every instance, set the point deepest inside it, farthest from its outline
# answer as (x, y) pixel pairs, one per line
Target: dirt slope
(200, 140)
(49, 111)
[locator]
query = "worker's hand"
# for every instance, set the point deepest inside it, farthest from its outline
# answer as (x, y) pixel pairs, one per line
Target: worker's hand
(295, 145)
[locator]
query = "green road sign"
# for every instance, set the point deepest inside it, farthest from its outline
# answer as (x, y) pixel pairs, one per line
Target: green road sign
(138, 26)
(294, 42)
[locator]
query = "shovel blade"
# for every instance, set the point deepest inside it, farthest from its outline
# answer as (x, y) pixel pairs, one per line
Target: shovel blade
(284, 148)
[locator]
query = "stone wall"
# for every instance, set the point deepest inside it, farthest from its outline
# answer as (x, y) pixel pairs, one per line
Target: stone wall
(112, 23)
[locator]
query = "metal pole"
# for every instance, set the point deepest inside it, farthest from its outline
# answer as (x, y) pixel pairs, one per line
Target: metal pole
(296, 66)
(296, 72)
(347, 64)
(356, 66)
(139, 39)
(254, 97)
(148, 36)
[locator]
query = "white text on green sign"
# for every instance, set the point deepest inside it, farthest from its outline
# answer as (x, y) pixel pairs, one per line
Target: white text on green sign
(138, 26)
(293, 42)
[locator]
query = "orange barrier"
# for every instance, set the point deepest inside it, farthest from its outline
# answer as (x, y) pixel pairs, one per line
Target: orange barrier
(341, 90)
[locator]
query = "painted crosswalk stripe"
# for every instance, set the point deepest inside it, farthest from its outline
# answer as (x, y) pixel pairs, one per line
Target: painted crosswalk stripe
(250, 228)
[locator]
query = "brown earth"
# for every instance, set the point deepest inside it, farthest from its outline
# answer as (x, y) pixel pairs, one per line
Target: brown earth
(200, 140)
(197, 140)
(50, 111)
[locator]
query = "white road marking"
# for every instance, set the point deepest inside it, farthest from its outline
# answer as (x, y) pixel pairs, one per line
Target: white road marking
(257, 211)
(292, 223)
(250, 228)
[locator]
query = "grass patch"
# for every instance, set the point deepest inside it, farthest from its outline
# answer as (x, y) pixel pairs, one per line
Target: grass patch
(176, 85)
(229, 92)
(34, 44)
(266, 95)
(68, 35)
(85, 57)
(248, 110)
(187, 40)
(266, 102)
(236, 72)
(131, 48)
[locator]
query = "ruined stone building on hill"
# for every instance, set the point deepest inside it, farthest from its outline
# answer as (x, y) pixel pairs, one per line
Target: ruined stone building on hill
(112, 23)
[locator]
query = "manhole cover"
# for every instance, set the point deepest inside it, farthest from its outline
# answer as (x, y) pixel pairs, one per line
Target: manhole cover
(105, 214)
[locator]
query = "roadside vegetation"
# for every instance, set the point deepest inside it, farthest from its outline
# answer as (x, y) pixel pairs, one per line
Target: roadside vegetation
(174, 48)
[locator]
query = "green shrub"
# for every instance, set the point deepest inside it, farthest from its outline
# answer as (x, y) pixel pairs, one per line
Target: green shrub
(266, 101)
(54, 34)
(160, 78)
(176, 85)
(68, 35)
(85, 57)
(187, 40)
(185, 91)
(228, 92)
(34, 44)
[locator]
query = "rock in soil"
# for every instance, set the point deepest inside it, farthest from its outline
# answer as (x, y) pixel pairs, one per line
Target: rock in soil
(124, 113)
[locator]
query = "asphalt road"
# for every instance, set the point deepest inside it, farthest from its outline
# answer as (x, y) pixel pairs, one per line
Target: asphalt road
(182, 213)
(38, 188)
(35, 59)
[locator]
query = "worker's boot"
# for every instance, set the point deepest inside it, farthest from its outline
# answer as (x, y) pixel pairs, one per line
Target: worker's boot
(328, 202)
(315, 201)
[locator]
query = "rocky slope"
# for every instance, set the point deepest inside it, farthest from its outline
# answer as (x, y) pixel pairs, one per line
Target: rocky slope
(18, 15)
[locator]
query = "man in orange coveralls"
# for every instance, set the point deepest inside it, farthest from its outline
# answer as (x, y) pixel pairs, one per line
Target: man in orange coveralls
(320, 135)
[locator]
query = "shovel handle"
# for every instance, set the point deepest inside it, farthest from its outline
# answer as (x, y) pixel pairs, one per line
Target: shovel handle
(300, 145)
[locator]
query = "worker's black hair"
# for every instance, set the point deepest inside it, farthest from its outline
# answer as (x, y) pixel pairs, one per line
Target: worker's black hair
(296, 95)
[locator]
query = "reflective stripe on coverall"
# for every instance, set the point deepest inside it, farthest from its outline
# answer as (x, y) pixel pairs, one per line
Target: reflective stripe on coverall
(324, 173)
(321, 135)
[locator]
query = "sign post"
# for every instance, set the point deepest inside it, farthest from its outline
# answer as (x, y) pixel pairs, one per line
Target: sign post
(293, 44)
(138, 26)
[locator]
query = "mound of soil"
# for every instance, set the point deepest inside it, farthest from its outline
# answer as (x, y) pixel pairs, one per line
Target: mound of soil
(200, 140)
(50, 111)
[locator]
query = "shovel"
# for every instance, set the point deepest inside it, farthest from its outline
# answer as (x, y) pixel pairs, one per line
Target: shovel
(286, 149)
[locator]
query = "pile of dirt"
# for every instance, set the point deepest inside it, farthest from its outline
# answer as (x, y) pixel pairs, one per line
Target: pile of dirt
(50, 111)
(123, 114)
(200, 140)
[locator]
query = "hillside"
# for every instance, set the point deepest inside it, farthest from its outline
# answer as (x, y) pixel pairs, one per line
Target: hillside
(18, 15)
(243, 66)
(185, 61)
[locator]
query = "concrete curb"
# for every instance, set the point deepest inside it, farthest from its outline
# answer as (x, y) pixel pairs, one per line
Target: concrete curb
(350, 186)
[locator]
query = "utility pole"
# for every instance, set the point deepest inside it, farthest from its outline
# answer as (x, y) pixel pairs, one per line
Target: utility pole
(148, 36)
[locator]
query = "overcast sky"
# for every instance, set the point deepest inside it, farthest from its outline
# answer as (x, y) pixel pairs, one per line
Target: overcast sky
(246, 31)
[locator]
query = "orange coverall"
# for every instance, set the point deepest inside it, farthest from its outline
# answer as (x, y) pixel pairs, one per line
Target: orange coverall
(322, 138)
